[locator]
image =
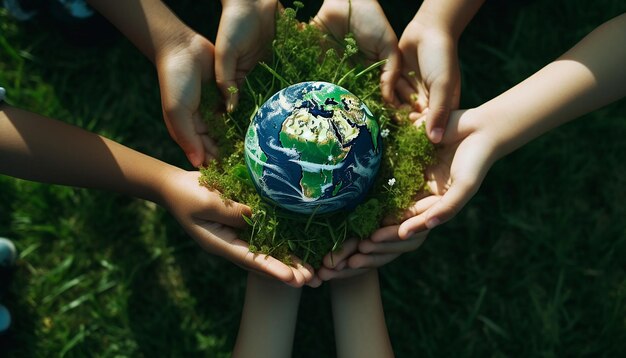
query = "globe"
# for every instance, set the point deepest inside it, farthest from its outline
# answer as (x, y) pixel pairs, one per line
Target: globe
(313, 147)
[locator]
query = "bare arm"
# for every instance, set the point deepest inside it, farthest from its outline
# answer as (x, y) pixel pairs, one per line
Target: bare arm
(38, 148)
(149, 24)
(450, 16)
(358, 316)
(268, 321)
(590, 75)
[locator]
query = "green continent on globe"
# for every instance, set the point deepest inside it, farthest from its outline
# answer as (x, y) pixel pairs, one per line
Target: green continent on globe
(322, 140)
(314, 140)
(348, 112)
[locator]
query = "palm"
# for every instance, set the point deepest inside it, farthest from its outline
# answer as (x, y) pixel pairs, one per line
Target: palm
(463, 159)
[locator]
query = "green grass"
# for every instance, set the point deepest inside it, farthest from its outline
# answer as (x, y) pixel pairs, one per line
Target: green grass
(533, 266)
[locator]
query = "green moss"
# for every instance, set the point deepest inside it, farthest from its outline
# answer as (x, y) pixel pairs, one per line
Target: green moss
(301, 52)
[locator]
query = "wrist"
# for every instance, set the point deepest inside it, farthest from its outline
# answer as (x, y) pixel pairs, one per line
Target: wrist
(164, 186)
(491, 124)
(421, 31)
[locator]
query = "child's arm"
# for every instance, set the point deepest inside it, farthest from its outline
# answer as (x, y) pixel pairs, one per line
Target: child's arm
(360, 330)
(38, 148)
(268, 321)
(183, 59)
(430, 65)
(590, 75)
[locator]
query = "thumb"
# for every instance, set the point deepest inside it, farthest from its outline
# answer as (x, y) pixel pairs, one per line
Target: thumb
(390, 72)
(440, 103)
(184, 133)
(229, 212)
(441, 211)
(225, 77)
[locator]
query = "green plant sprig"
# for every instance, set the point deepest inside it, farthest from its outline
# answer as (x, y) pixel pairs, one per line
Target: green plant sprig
(302, 52)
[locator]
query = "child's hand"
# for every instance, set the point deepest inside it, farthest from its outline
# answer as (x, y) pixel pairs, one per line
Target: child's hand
(357, 257)
(182, 70)
(430, 69)
(245, 31)
(211, 222)
(466, 153)
(373, 34)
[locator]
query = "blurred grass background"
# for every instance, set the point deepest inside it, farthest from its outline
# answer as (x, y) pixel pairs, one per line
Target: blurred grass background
(533, 266)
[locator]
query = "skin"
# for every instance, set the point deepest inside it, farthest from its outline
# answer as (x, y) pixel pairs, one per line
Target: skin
(245, 32)
(268, 320)
(373, 33)
(271, 308)
(359, 321)
(430, 78)
(38, 148)
(184, 63)
(585, 78)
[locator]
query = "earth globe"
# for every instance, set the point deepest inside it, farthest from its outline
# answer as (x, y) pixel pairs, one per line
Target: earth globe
(313, 147)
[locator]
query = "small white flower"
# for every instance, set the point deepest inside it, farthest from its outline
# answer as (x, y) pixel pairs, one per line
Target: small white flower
(330, 158)
(384, 133)
(391, 181)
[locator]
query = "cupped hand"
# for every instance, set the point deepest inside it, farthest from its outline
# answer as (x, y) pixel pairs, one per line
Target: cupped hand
(211, 222)
(246, 29)
(372, 32)
(357, 257)
(464, 156)
(430, 78)
(182, 70)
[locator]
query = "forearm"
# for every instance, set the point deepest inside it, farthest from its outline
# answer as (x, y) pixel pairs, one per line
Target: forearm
(41, 149)
(450, 16)
(359, 320)
(268, 320)
(590, 75)
(149, 24)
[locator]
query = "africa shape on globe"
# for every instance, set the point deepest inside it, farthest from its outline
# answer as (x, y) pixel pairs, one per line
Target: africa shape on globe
(313, 147)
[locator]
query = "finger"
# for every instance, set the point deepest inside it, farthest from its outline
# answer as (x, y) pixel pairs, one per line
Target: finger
(390, 71)
(184, 134)
(303, 273)
(420, 206)
(211, 151)
(315, 282)
(225, 76)
(327, 274)
(298, 278)
(366, 262)
(386, 233)
(201, 128)
(393, 247)
(333, 258)
(229, 213)
(441, 211)
(222, 240)
(440, 103)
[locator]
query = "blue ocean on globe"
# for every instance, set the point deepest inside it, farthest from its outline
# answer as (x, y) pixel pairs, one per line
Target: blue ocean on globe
(313, 147)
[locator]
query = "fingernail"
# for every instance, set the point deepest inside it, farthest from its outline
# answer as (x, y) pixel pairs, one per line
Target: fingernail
(230, 107)
(194, 159)
(409, 234)
(436, 134)
(431, 223)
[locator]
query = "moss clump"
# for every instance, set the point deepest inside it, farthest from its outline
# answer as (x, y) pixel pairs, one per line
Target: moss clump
(302, 52)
